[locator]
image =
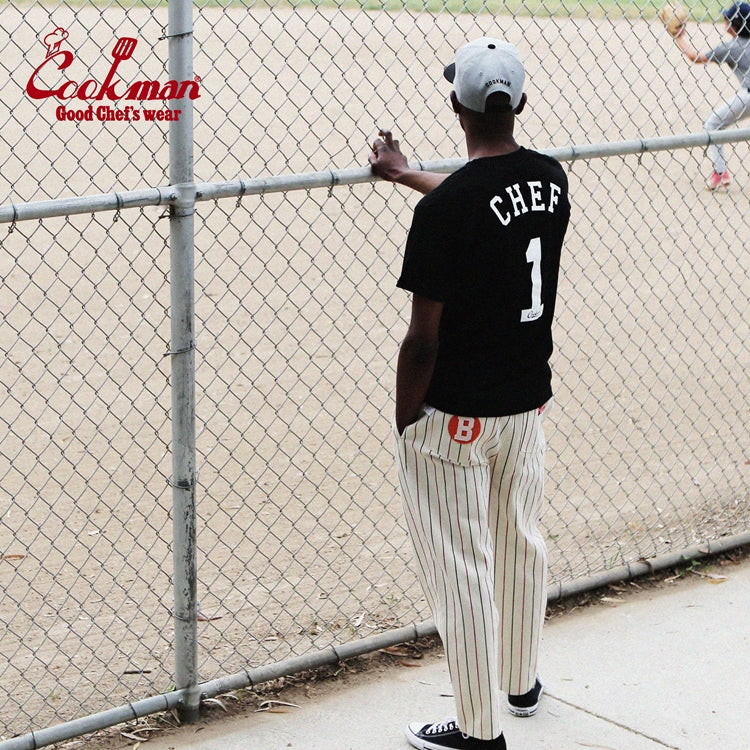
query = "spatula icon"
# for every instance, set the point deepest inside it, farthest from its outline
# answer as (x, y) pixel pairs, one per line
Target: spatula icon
(123, 50)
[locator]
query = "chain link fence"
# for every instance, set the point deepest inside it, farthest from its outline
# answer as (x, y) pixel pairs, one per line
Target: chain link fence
(297, 323)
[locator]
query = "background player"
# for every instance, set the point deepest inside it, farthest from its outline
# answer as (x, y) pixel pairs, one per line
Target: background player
(736, 54)
(481, 260)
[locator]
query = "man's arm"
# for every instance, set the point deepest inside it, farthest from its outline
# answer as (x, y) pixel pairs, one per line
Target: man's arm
(390, 164)
(416, 360)
(688, 50)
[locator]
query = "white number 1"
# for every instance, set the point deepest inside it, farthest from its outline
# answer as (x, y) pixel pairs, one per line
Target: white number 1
(534, 256)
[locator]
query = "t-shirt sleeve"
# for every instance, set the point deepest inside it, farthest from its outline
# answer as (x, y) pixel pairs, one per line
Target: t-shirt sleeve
(426, 268)
(723, 53)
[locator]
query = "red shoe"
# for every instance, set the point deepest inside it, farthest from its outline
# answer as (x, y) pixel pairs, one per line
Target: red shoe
(716, 180)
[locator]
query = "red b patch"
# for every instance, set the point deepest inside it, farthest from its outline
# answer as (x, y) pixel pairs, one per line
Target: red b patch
(464, 429)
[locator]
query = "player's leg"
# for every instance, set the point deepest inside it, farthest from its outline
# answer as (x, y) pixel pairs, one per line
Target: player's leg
(445, 486)
(516, 498)
(727, 114)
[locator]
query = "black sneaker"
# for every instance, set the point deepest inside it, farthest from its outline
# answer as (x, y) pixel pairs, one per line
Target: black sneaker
(526, 704)
(445, 735)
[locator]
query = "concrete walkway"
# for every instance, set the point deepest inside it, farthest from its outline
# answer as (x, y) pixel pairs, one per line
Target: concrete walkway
(665, 667)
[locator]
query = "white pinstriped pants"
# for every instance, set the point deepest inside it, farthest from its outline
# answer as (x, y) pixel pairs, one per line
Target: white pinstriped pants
(473, 491)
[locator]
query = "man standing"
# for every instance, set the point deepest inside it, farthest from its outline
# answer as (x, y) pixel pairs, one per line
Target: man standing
(481, 261)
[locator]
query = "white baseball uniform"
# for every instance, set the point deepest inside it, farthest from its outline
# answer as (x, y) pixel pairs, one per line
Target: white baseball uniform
(736, 53)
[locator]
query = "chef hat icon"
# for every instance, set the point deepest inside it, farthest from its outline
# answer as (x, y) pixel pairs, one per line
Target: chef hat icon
(54, 39)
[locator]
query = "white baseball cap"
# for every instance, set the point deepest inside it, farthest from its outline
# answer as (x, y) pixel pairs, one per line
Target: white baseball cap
(483, 67)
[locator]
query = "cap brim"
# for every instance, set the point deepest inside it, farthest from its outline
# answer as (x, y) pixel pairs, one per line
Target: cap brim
(450, 72)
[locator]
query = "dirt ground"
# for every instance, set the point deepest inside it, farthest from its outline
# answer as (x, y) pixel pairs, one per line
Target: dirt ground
(301, 542)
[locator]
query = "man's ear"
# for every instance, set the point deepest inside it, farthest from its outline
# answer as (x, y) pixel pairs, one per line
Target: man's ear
(521, 104)
(454, 102)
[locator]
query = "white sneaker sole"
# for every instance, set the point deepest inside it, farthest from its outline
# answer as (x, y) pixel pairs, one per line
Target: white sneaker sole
(528, 710)
(419, 742)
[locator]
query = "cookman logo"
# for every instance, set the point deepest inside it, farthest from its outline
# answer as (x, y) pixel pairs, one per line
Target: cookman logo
(110, 88)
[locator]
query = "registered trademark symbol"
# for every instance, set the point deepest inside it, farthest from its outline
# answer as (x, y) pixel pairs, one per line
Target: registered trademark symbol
(197, 79)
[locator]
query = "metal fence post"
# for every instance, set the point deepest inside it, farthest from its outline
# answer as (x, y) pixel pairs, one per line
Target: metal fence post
(184, 474)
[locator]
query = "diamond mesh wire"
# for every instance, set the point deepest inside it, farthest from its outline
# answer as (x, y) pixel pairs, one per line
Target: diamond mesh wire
(300, 537)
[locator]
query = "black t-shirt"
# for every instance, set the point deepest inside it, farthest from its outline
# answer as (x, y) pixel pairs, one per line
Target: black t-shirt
(486, 243)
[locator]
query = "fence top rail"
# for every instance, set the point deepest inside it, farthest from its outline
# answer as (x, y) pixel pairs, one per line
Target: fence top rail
(167, 195)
